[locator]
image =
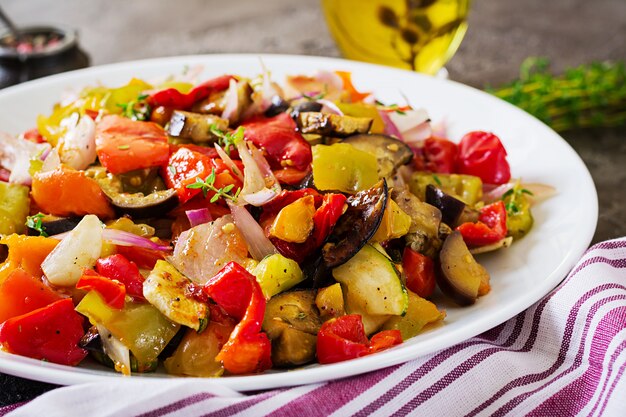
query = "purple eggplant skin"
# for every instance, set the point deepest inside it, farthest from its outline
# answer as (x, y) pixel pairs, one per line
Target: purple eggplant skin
(451, 208)
(458, 274)
(357, 225)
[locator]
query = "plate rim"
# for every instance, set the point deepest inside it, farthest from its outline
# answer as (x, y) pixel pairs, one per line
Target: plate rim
(64, 375)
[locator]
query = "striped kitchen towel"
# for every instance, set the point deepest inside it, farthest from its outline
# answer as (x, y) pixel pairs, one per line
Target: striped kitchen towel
(564, 356)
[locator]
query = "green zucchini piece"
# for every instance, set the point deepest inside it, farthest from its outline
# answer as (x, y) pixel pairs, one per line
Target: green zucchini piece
(276, 273)
(165, 289)
(372, 280)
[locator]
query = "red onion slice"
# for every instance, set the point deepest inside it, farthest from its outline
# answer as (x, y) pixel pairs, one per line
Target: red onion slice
(259, 245)
(199, 216)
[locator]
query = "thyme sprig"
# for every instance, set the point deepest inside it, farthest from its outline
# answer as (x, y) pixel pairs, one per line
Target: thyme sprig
(208, 184)
(227, 139)
(137, 109)
(592, 95)
(35, 222)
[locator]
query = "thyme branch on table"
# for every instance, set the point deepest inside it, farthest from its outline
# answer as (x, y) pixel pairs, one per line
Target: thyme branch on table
(592, 95)
(208, 184)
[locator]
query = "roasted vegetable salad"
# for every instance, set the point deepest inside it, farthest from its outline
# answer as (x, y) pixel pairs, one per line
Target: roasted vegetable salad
(238, 225)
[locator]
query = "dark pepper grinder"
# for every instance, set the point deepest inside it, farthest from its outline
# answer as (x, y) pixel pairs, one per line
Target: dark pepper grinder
(21, 61)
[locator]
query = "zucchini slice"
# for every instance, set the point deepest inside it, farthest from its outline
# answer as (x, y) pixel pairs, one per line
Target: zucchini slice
(373, 281)
(165, 289)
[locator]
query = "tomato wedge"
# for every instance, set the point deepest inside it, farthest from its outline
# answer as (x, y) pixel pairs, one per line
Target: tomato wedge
(436, 155)
(125, 145)
(483, 155)
(284, 146)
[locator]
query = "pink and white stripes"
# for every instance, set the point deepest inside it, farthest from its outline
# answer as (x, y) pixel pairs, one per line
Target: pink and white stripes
(564, 356)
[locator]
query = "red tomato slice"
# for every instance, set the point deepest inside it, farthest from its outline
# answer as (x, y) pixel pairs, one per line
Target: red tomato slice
(483, 155)
(125, 145)
(22, 293)
(283, 145)
(436, 155)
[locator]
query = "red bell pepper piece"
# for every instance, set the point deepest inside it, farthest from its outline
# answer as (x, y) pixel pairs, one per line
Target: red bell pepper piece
(324, 219)
(142, 257)
(112, 292)
(22, 293)
(419, 271)
(283, 145)
(490, 227)
(483, 155)
(344, 338)
(173, 98)
(49, 333)
(237, 292)
(118, 267)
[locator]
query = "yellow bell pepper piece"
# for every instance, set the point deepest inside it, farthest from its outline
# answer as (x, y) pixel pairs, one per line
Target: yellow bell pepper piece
(344, 168)
(394, 224)
(294, 222)
(420, 313)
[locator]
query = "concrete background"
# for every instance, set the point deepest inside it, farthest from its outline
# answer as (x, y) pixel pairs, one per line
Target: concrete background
(501, 34)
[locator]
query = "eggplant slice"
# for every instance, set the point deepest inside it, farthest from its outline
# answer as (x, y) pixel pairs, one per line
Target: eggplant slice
(451, 208)
(195, 126)
(327, 124)
(357, 225)
(140, 194)
(390, 153)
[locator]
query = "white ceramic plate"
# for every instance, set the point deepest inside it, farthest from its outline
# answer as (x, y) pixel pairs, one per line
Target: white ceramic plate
(521, 275)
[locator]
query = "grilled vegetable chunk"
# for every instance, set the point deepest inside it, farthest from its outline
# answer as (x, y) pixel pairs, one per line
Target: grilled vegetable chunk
(460, 277)
(390, 153)
(292, 322)
(374, 282)
(165, 289)
(357, 225)
(332, 125)
(195, 126)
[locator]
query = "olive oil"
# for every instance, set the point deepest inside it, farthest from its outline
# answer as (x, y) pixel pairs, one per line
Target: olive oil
(421, 35)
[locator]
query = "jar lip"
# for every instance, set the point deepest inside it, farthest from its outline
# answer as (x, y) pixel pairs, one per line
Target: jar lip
(68, 38)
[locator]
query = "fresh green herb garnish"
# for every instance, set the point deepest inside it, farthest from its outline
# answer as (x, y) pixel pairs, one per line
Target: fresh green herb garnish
(207, 185)
(393, 107)
(137, 109)
(123, 147)
(514, 199)
(437, 180)
(171, 169)
(35, 222)
(592, 95)
(227, 139)
(317, 96)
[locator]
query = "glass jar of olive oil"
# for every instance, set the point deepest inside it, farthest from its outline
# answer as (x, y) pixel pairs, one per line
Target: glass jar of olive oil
(421, 35)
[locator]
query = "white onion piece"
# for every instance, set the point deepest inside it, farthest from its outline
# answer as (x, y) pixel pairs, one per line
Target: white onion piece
(494, 193)
(330, 107)
(540, 192)
(259, 245)
(231, 100)
(330, 79)
(77, 147)
(228, 161)
(258, 176)
(123, 238)
(16, 154)
(79, 249)
(390, 127)
(414, 125)
(115, 349)
(440, 129)
(51, 162)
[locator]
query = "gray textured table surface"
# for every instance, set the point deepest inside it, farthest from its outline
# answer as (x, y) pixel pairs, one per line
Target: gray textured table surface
(501, 34)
